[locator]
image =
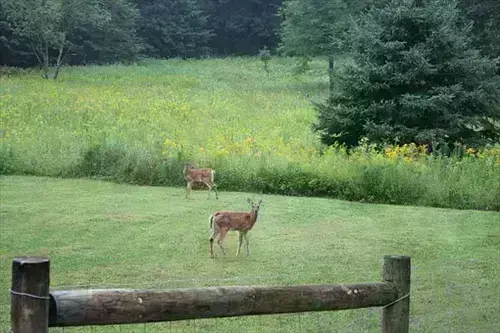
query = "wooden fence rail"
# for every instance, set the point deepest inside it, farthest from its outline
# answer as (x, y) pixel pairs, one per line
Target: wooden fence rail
(34, 309)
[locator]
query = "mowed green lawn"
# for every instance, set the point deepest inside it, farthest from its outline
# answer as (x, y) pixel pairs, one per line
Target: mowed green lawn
(102, 234)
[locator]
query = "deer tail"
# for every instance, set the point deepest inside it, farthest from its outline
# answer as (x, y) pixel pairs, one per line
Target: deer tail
(212, 176)
(211, 220)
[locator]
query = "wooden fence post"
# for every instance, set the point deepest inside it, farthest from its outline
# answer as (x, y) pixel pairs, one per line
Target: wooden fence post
(30, 295)
(396, 316)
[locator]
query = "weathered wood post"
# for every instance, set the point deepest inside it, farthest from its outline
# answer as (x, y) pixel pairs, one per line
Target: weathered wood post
(30, 295)
(396, 315)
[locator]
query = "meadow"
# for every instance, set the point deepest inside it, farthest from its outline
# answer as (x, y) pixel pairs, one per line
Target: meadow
(137, 124)
(105, 235)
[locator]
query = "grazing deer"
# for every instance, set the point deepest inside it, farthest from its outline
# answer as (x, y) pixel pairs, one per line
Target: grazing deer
(223, 221)
(205, 176)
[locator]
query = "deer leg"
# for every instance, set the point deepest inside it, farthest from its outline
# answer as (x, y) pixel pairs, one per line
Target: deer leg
(223, 233)
(246, 243)
(214, 234)
(240, 241)
(188, 189)
(215, 189)
(209, 188)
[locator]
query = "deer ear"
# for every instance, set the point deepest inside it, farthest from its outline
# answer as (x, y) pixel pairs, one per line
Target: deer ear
(260, 201)
(249, 201)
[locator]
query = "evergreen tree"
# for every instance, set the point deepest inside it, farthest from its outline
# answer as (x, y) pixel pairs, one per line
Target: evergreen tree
(173, 28)
(486, 17)
(314, 28)
(415, 78)
(243, 27)
(14, 51)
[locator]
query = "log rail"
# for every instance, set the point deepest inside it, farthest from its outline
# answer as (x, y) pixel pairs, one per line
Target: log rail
(34, 309)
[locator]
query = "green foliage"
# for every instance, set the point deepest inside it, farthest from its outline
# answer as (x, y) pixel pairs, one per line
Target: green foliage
(415, 79)
(86, 31)
(134, 166)
(309, 28)
(14, 49)
(317, 28)
(138, 124)
(104, 31)
(6, 162)
(242, 27)
(486, 17)
(46, 26)
(115, 39)
(265, 56)
(173, 28)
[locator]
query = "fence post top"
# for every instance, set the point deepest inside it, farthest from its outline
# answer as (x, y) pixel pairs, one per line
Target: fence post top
(30, 260)
(396, 257)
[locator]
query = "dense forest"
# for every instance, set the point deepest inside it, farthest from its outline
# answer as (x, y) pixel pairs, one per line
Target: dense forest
(107, 31)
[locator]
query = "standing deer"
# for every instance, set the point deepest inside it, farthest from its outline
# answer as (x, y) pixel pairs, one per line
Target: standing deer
(205, 176)
(223, 221)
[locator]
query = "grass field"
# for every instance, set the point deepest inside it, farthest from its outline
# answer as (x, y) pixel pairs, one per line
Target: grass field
(137, 124)
(209, 107)
(101, 234)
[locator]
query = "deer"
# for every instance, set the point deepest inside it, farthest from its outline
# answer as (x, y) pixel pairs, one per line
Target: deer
(205, 176)
(223, 221)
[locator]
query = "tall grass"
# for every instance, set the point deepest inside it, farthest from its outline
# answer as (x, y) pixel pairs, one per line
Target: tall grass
(138, 124)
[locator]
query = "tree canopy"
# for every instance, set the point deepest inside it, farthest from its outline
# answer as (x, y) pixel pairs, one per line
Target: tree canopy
(173, 28)
(53, 29)
(415, 78)
(485, 15)
(105, 31)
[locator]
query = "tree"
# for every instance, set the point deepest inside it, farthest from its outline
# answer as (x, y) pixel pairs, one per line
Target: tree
(265, 56)
(173, 28)
(415, 78)
(486, 17)
(115, 39)
(313, 28)
(242, 26)
(46, 25)
(13, 50)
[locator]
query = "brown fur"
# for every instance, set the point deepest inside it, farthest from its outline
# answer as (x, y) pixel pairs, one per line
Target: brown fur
(223, 221)
(199, 176)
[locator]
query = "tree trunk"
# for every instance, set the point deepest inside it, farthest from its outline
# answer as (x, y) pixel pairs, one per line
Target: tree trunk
(60, 56)
(331, 66)
(46, 61)
(58, 67)
(59, 61)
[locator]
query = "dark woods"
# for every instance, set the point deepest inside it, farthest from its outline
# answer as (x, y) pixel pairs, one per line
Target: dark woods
(125, 30)
(107, 31)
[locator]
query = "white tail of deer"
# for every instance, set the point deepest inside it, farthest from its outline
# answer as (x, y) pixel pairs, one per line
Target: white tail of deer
(223, 221)
(205, 176)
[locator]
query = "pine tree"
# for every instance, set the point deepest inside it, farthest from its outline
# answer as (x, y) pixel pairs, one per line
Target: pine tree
(313, 28)
(415, 78)
(486, 17)
(242, 27)
(173, 28)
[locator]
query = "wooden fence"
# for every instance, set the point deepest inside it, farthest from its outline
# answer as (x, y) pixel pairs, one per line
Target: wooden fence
(34, 308)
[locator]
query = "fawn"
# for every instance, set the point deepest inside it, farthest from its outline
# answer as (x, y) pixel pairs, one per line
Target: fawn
(205, 176)
(223, 221)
